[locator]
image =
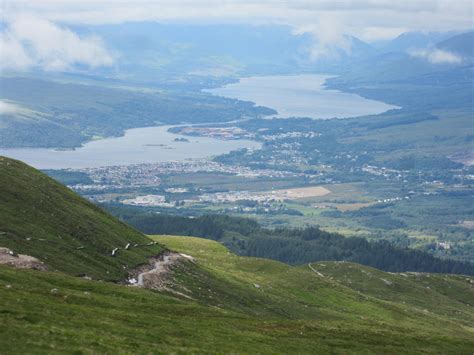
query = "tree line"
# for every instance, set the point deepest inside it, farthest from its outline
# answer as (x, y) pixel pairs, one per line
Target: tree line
(294, 246)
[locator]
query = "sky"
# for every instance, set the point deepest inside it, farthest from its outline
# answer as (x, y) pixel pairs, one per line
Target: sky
(36, 33)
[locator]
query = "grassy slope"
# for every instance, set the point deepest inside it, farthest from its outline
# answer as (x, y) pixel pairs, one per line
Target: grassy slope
(42, 218)
(298, 293)
(443, 295)
(294, 310)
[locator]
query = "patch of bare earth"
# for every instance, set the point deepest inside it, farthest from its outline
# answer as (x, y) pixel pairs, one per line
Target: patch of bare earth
(297, 193)
(465, 157)
(8, 257)
(155, 274)
(467, 224)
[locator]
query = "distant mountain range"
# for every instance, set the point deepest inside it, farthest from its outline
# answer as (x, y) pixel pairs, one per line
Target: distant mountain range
(439, 75)
(149, 51)
(416, 39)
(462, 45)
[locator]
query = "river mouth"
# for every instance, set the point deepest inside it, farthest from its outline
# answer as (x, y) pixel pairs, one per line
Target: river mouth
(302, 95)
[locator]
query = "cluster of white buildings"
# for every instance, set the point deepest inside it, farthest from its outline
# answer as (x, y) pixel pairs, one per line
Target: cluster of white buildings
(149, 174)
(274, 137)
(148, 200)
(217, 132)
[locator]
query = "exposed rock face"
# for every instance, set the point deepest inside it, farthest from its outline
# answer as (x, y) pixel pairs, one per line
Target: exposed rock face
(8, 257)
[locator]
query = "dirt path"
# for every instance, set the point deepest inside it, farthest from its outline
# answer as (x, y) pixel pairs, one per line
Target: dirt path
(314, 270)
(154, 274)
(8, 257)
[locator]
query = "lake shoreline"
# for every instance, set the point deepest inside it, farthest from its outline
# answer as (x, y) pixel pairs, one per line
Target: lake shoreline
(304, 95)
(137, 146)
(301, 96)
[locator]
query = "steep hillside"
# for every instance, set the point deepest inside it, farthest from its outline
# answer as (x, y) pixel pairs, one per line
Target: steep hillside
(235, 304)
(42, 218)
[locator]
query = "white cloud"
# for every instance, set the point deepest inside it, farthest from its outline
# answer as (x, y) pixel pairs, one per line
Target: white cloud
(7, 108)
(357, 14)
(12, 53)
(329, 39)
(436, 56)
(13, 109)
(328, 21)
(31, 42)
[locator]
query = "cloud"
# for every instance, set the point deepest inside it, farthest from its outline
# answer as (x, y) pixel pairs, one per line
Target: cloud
(12, 109)
(30, 42)
(13, 54)
(329, 39)
(437, 56)
(357, 14)
(330, 22)
(7, 108)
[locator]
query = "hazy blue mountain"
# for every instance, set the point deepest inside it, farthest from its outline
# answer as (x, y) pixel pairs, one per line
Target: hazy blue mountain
(411, 40)
(430, 78)
(462, 45)
(147, 50)
(151, 50)
(399, 65)
(202, 49)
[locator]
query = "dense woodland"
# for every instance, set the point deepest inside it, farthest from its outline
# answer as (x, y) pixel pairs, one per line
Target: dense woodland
(294, 246)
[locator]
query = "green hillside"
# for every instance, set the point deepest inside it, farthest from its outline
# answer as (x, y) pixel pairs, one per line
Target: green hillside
(44, 219)
(60, 114)
(342, 289)
(236, 304)
(443, 295)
